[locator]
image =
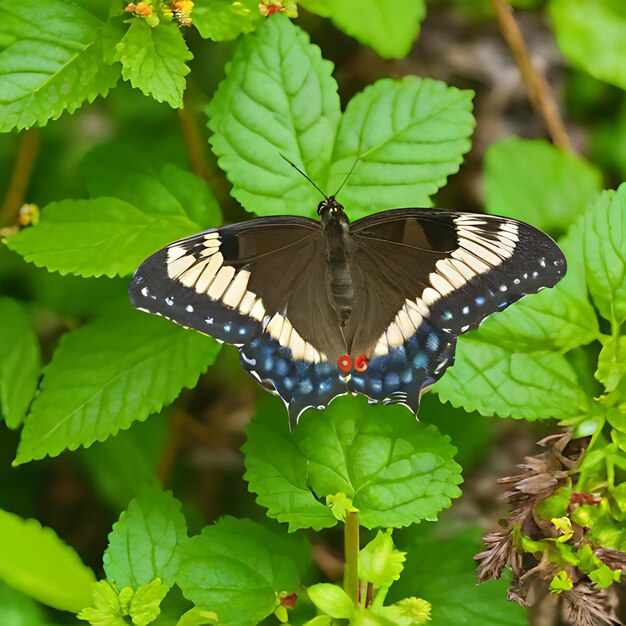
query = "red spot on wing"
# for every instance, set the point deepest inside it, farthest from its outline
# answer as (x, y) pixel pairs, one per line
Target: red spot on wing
(360, 363)
(344, 363)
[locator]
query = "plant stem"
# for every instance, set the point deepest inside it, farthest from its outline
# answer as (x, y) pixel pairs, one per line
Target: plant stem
(20, 178)
(538, 87)
(193, 142)
(172, 445)
(351, 549)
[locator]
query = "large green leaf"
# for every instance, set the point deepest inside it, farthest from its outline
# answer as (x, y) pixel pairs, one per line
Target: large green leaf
(278, 98)
(561, 318)
(105, 236)
(20, 362)
(237, 568)
(441, 570)
(395, 470)
(146, 541)
(492, 380)
(408, 137)
(108, 374)
(17, 609)
(592, 35)
(388, 27)
(533, 181)
(35, 561)
(153, 60)
(50, 60)
(122, 171)
(605, 253)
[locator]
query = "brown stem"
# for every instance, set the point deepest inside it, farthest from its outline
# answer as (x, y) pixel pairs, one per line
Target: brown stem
(539, 90)
(172, 445)
(20, 178)
(194, 143)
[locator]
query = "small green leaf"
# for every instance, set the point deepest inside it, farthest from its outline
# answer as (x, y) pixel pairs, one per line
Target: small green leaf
(278, 98)
(442, 571)
(153, 60)
(51, 62)
(396, 471)
(389, 28)
(121, 170)
(237, 568)
(320, 620)
(20, 362)
(379, 561)
(332, 600)
(495, 381)
(197, 617)
(105, 236)
(108, 374)
(106, 609)
(556, 319)
(605, 253)
(340, 505)
(145, 605)
(408, 612)
(612, 362)
(561, 582)
(145, 543)
(533, 181)
(592, 35)
(408, 136)
(555, 505)
(35, 561)
(221, 20)
(604, 576)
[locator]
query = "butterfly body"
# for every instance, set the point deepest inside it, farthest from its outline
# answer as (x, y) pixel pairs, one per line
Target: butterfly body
(324, 308)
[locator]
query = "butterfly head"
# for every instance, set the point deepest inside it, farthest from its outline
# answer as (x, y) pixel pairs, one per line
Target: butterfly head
(330, 209)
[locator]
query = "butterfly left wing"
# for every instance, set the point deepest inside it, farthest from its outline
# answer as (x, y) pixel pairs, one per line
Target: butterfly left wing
(422, 278)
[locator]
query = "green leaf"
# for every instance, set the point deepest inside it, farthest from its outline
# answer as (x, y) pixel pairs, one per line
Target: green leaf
(555, 505)
(561, 582)
(17, 609)
(236, 568)
(605, 253)
(592, 35)
(197, 617)
(145, 543)
(153, 60)
(495, 381)
(51, 62)
(20, 362)
(276, 470)
(612, 362)
(389, 28)
(221, 20)
(108, 374)
(278, 98)
(533, 181)
(408, 136)
(105, 236)
(407, 612)
(121, 170)
(442, 571)
(145, 605)
(332, 600)
(106, 609)
(35, 561)
(556, 319)
(396, 471)
(379, 561)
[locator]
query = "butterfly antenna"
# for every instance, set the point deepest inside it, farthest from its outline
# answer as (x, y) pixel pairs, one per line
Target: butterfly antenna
(346, 178)
(303, 174)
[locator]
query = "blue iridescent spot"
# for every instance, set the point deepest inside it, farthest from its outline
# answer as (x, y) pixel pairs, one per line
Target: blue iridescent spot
(306, 386)
(407, 376)
(479, 300)
(268, 364)
(242, 331)
(392, 379)
(281, 367)
(432, 342)
(465, 310)
(376, 385)
(288, 383)
(324, 385)
(227, 327)
(420, 360)
(447, 315)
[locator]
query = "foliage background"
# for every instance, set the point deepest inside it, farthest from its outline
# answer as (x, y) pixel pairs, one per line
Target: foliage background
(72, 324)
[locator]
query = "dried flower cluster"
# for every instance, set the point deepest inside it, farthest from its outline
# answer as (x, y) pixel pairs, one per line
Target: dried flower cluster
(583, 603)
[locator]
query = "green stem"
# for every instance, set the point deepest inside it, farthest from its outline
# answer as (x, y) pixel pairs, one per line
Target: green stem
(351, 549)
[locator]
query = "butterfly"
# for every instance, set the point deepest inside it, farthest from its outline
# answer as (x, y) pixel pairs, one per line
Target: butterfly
(323, 308)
